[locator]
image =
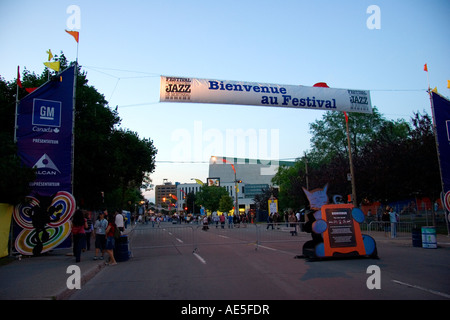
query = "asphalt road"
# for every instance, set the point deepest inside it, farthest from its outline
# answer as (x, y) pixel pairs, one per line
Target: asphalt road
(188, 264)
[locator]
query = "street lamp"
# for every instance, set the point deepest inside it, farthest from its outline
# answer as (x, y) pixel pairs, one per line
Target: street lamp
(214, 160)
(352, 171)
(200, 182)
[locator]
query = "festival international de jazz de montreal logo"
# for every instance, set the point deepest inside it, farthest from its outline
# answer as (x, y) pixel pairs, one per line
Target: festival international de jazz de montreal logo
(46, 113)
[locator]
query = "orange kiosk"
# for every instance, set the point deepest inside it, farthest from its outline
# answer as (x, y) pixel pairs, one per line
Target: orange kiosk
(336, 234)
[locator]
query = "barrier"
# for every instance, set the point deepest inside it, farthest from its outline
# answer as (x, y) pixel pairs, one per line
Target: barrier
(399, 229)
(164, 235)
(193, 235)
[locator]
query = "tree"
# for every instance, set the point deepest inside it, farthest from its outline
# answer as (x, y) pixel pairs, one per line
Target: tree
(290, 180)
(329, 138)
(261, 199)
(226, 203)
(209, 196)
(15, 178)
(130, 158)
(191, 203)
(103, 153)
(397, 160)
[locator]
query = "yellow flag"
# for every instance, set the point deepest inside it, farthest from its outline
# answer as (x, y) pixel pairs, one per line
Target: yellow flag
(199, 181)
(50, 55)
(53, 65)
(448, 84)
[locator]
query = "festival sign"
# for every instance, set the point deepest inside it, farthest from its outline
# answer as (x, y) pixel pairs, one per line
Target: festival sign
(273, 206)
(177, 89)
(441, 108)
(44, 136)
(341, 234)
(44, 133)
(441, 113)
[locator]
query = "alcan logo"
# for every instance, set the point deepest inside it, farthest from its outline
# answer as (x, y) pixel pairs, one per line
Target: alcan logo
(46, 166)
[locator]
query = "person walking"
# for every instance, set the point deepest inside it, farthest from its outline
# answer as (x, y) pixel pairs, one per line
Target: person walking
(205, 223)
(110, 241)
(222, 220)
(293, 223)
(270, 221)
(393, 217)
(100, 235)
(88, 230)
(78, 233)
(119, 220)
(230, 221)
(385, 219)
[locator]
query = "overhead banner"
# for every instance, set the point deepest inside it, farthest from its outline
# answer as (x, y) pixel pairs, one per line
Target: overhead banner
(44, 134)
(176, 89)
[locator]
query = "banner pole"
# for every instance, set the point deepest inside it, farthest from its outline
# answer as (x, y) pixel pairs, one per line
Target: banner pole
(17, 107)
(75, 75)
(352, 171)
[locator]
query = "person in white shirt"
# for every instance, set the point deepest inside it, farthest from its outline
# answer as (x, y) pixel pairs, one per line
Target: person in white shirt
(119, 221)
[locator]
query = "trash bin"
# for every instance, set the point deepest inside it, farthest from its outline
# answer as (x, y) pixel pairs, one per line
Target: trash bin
(417, 237)
(121, 250)
(429, 237)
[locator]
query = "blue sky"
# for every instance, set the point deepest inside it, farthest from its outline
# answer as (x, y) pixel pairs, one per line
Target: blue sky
(126, 45)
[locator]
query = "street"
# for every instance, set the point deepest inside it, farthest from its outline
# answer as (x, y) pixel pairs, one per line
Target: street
(182, 262)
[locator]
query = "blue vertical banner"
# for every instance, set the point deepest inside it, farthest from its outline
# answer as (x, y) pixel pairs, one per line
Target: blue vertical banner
(441, 112)
(44, 136)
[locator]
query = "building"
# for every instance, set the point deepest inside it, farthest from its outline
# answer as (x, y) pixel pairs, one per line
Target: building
(250, 175)
(164, 191)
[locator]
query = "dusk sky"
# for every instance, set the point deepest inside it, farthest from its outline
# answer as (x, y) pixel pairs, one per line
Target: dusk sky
(125, 46)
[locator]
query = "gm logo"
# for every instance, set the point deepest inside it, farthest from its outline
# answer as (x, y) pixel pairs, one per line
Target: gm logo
(46, 113)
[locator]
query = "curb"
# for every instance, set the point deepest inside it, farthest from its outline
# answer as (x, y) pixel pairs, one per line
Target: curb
(65, 293)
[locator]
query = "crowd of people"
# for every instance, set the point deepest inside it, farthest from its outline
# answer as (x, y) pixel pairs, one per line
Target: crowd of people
(104, 229)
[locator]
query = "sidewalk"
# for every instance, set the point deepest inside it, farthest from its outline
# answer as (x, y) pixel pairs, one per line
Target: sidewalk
(45, 277)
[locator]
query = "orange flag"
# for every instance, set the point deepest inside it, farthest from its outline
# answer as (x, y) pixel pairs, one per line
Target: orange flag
(425, 68)
(74, 34)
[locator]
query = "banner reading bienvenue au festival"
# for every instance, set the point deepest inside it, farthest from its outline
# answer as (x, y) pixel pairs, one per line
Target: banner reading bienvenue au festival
(176, 89)
(44, 141)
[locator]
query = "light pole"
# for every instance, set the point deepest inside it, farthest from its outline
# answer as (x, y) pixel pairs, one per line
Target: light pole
(200, 182)
(352, 171)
